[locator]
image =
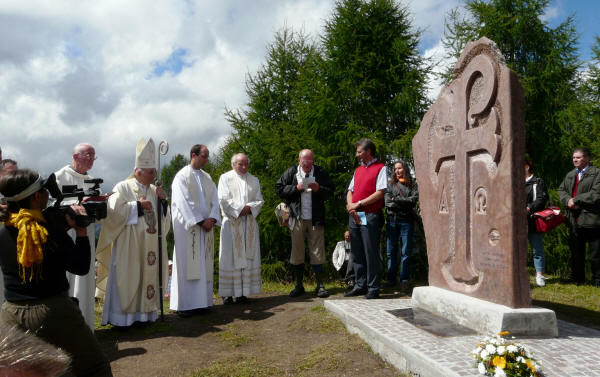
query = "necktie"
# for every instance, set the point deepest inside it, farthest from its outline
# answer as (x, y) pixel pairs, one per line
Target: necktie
(574, 194)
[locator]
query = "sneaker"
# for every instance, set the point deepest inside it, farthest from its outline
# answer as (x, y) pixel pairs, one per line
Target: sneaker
(372, 295)
(540, 280)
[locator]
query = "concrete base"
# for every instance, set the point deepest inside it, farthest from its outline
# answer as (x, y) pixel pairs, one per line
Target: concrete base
(483, 316)
(422, 354)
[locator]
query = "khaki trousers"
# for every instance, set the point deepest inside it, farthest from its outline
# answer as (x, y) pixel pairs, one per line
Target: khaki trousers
(315, 235)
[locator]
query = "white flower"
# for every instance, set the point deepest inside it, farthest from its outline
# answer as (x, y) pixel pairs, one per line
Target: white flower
(490, 348)
(476, 351)
(484, 354)
(499, 372)
(520, 359)
(512, 348)
(481, 368)
(501, 350)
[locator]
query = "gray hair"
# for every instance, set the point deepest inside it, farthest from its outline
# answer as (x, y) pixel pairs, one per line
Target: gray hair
(24, 352)
(365, 144)
(235, 157)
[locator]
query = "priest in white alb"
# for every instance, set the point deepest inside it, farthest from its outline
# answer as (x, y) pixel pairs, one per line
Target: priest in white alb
(195, 213)
(128, 246)
(75, 174)
(239, 250)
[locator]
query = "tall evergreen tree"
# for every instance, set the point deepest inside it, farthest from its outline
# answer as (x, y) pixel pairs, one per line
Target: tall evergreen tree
(545, 60)
(365, 79)
(581, 120)
(269, 130)
(376, 79)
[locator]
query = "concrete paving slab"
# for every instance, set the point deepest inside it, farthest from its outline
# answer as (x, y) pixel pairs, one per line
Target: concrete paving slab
(411, 349)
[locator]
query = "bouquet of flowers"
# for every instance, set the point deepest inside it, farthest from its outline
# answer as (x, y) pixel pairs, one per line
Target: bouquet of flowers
(499, 357)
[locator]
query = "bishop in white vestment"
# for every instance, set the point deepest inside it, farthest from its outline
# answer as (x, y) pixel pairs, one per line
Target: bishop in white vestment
(239, 250)
(195, 212)
(81, 287)
(128, 247)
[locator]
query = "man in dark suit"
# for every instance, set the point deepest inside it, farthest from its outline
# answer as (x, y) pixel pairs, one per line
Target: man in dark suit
(580, 193)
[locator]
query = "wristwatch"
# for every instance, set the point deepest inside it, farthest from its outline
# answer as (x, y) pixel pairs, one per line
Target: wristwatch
(359, 204)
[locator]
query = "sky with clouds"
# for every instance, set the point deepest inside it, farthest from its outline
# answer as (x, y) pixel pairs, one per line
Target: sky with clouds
(110, 72)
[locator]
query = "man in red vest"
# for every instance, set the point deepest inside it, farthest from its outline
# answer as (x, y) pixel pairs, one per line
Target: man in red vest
(580, 192)
(364, 202)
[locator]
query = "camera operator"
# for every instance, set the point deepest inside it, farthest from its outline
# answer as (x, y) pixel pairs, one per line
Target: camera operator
(34, 257)
(81, 287)
(6, 166)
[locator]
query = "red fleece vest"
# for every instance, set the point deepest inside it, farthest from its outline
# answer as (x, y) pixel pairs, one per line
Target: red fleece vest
(365, 184)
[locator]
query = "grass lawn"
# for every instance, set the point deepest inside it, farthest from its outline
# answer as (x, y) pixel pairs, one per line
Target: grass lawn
(579, 304)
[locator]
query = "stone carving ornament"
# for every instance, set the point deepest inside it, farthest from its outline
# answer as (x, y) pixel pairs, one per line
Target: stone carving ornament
(469, 164)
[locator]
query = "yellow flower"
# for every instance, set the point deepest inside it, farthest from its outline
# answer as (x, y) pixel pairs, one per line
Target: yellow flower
(528, 362)
(504, 333)
(500, 362)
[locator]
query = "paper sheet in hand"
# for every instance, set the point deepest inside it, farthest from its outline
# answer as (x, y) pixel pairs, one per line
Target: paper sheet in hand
(306, 182)
(363, 218)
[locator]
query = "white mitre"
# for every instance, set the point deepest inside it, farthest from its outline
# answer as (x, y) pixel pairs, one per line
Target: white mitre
(145, 155)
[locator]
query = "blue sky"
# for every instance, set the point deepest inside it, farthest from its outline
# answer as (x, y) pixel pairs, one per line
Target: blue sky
(587, 13)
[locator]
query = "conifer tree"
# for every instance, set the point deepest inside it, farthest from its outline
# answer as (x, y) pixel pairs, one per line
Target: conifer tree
(545, 60)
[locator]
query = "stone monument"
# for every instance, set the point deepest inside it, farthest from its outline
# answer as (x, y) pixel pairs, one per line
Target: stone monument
(469, 162)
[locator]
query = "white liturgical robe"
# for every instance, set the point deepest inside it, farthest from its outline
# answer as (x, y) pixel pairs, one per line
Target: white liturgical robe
(194, 200)
(81, 287)
(128, 253)
(239, 249)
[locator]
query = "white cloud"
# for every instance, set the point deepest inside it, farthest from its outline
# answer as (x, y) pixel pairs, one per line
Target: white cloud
(73, 71)
(429, 15)
(440, 63)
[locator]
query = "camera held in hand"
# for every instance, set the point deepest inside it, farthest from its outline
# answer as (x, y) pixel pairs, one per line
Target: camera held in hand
(91, 199)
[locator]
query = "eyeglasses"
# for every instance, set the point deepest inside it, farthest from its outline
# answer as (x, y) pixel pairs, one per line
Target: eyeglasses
(88, 155)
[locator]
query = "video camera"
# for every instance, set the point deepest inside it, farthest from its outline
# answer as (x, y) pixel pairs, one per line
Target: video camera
(91, 199)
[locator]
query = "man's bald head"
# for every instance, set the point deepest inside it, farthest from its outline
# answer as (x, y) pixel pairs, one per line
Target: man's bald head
(84, 156)
(306, 159)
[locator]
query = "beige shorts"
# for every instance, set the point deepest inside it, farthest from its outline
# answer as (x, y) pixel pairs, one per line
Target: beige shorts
(315, 235)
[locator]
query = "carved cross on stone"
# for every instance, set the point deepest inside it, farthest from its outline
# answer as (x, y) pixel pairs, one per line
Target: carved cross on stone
(469, 163)
(457, 142)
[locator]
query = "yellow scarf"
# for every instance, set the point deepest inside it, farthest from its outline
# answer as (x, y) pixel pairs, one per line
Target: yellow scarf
(30, 241)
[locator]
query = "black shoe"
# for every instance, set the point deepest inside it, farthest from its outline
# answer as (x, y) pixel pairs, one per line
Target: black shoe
(355, 292)
(321, 292)
(185, 313)
(228, 300)
(297, 291)
(372, 295)
(241, 300)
